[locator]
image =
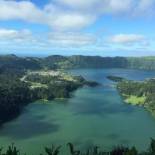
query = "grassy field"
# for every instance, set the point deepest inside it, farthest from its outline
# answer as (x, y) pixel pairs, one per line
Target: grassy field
(135, 100)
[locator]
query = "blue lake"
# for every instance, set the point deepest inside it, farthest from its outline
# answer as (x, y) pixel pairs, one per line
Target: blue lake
(92, 116)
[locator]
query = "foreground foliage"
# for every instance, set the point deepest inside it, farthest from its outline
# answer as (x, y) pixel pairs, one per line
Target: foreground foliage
(56, 150)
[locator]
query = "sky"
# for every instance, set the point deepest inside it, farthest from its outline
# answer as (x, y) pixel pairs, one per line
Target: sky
(77, 27)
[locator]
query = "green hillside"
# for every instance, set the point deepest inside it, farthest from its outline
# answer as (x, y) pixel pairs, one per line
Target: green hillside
(76, 61)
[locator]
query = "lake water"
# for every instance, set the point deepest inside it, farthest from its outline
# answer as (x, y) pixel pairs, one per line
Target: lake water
(93, 116)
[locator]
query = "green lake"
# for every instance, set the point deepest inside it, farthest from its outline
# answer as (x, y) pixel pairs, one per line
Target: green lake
(92, 116)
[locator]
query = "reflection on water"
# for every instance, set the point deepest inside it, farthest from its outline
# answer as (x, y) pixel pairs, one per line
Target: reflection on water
(31, 127)
(92, 116)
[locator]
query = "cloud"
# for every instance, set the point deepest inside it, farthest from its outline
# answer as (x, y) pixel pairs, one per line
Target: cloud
(127, 39)
(145, 7)
(52, 15)
(50, 39)
(70, 21)
(15, 35)
(23, 10)
(72, 39)
(114, 7)
(80, 4)
(24, 41)
(67, 15)
(69, 41)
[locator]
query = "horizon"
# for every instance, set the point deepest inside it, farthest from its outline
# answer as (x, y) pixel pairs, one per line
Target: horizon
(28, 27)
(45, 56)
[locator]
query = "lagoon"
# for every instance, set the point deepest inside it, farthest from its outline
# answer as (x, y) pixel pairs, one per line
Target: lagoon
(92, 116)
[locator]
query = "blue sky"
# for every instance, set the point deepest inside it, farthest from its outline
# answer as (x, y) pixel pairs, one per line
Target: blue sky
(85, 27)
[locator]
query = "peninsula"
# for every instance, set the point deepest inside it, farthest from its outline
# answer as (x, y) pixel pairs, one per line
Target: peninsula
(140, 93)
(20, 87)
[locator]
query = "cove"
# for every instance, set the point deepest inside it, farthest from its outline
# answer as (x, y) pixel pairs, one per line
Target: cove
(92, 116)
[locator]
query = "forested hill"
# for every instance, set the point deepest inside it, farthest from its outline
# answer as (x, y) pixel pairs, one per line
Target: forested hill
(12, 62)
(78, 61)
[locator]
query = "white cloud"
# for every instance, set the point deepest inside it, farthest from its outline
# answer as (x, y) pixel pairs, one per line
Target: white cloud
(10, 38)
(15, 35)
(23, 10)
(4, 33)
(73, 14)
(79, 4)
(70, 21)
(71, 39)
(100, 7)
(69, 42)
(53, 39)
(127, 39)
(145, 7)
(52, 15)
(115, 6)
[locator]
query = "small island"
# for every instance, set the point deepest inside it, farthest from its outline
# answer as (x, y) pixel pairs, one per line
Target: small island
(115, 78)
(140, 93)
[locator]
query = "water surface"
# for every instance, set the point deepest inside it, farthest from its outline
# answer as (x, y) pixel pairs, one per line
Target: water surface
(93, 116)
